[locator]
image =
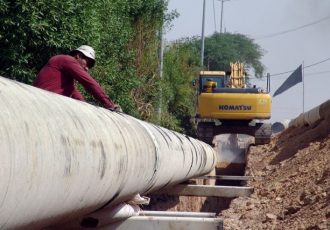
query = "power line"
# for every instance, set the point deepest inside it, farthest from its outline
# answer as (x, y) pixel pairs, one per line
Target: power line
(290, 71)
(284, 77)
(294, 29)
(305, 67)
(305, 75)
(317, 73)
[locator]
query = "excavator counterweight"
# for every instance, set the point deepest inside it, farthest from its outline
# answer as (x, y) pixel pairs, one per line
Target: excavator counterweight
(227, 105)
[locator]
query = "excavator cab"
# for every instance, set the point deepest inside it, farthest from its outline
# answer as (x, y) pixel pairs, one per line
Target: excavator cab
(226, 105)
(209, 86)
(210, 81)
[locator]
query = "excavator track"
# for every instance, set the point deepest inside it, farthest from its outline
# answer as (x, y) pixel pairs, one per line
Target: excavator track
(206, 131)
(263, 134)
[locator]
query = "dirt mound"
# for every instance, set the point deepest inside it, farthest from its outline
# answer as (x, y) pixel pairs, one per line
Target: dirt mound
(291, 181)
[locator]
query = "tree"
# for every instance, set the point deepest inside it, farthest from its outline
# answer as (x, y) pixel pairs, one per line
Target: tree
(182, 65)
(221, 49)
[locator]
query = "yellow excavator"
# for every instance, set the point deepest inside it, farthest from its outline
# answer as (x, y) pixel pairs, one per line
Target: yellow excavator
(226, 105)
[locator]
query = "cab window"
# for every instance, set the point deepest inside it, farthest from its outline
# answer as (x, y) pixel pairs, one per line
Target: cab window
(220, 83)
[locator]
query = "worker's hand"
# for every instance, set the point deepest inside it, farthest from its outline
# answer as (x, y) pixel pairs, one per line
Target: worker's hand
(117, 108)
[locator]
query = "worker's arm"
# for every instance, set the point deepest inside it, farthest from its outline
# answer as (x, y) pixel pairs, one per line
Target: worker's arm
(77, 95)
(73, 69)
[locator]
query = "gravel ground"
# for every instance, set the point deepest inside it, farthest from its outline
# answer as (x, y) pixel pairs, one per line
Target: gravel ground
(291, 181)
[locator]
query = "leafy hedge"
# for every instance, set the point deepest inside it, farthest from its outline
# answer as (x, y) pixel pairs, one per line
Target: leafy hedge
(123, 33)
(181, 67)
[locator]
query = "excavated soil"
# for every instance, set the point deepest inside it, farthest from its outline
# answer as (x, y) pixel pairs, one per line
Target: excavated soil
(291, 181)
(291, 185)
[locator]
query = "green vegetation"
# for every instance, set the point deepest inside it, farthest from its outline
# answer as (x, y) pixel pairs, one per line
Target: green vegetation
(221, 49)
(181, 66)
(125, 35)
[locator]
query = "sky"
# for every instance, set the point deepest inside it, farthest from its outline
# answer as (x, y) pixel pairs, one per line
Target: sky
(291, 33)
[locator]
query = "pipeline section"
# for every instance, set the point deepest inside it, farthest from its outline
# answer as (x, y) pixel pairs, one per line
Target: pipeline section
(312, 116)
(280, 126)
(62, 158)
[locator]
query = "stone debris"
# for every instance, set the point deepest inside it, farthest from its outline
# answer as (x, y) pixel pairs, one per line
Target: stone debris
(294, 192)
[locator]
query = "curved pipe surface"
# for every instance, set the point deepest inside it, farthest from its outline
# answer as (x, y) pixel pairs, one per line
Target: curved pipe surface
(280, 126)
(62, 158)
(312, 116)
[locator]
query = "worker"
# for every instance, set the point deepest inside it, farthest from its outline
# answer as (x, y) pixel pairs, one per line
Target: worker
(209, 86)
(62, 71)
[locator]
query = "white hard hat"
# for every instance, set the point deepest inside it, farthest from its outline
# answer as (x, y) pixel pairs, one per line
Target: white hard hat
(87, 51)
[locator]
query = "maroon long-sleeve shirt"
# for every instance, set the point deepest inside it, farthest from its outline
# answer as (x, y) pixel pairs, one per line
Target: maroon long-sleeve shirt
(59, 76)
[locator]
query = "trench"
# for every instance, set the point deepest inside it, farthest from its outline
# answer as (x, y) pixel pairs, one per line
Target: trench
(232, 149)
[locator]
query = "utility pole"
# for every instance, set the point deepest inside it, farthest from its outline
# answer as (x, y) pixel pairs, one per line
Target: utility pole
(221, 16)
(203, 25)
(161, 58)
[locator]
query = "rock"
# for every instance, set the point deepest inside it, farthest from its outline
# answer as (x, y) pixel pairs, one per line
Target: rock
(293, 174)
(264, 192)
(250, 206)
(291, 210)
(264, 201)
(284, 180)
(270, 216)
(270, 167)
(309, 200)
(278, 199)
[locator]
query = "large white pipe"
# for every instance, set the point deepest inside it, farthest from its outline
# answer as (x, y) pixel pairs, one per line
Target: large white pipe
(61, 158)
(280, 126)
(310, 117)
